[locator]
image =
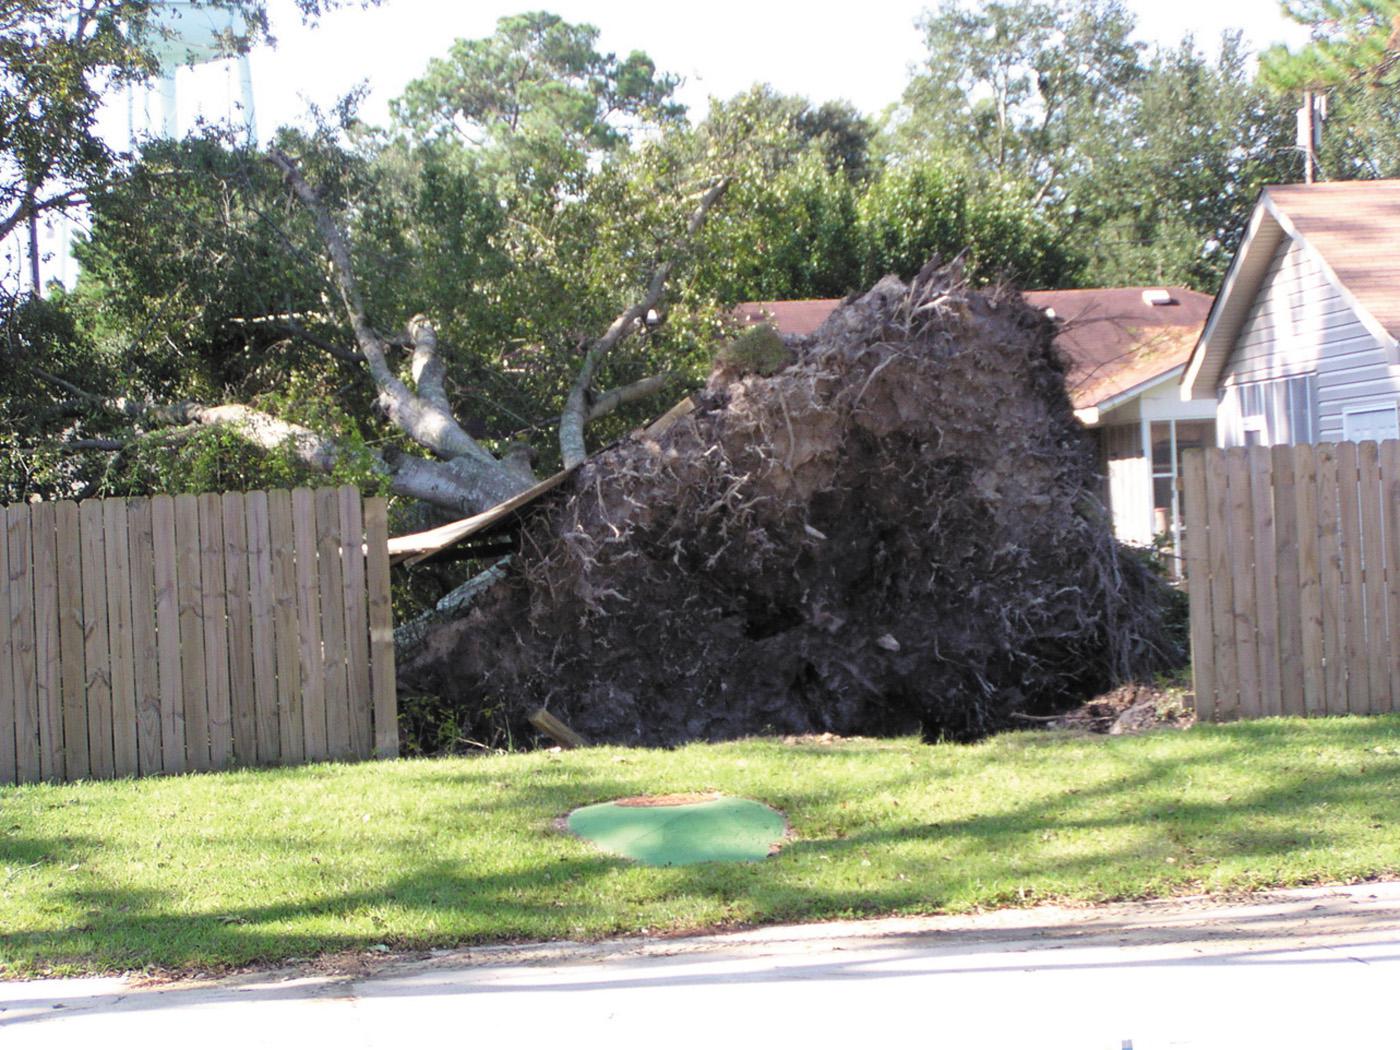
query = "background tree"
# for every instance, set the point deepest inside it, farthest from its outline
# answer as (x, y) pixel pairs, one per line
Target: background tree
(271, 299)
(1014, 89)
(921, 209)
(539, 99)
(1352, 41)
(1354, 57)
(1169, 188)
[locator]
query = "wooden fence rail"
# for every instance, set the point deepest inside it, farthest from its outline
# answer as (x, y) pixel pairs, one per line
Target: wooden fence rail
(186, 633)
(1293, 568)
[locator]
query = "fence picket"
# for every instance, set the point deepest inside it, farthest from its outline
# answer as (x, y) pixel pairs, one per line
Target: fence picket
(1197, 561)
(1373, 579)
(1266, 603)
(165, 557)
(290, 727)
(213, 594)
(1217, 511)
(21, 594)
(1309, 579)
(313, 676)
(140, 540)
(1242, 553)
(189, 592)
(68, 550)
(332, 585)
(260, 602)
(1390, 527)
(352, 563)
(242, 699)
(47, 659)
(1353, 580)
(125, 754)
(1334, 682)
(8, 691)
(97, 651)
(1290, 626)
(381, 627)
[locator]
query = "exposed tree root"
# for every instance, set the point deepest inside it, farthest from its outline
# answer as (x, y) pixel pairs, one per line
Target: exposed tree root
(899, 530)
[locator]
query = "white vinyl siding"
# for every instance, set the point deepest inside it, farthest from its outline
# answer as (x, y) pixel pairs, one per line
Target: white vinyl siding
(1300, 325)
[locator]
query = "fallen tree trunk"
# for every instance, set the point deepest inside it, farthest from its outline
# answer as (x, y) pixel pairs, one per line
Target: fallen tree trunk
(900, 530)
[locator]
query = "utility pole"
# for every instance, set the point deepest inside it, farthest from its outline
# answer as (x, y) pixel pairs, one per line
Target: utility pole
(1309, 140)
(1307, 135)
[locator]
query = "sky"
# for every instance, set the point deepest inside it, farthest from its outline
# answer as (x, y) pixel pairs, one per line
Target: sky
(860, 52)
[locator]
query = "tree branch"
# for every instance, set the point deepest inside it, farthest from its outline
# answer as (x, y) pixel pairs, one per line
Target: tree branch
(29, 206)
(430, 424)
(429, 374)
(575, 415)
(625, 395)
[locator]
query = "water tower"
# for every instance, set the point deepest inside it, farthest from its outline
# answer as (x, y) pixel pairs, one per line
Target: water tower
(188, 41)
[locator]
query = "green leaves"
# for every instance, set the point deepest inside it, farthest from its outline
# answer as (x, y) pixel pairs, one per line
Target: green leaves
(919, 209)
(1353, 41)
(538, 99)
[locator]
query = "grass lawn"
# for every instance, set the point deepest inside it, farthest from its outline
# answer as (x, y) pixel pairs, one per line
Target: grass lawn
(206, 872)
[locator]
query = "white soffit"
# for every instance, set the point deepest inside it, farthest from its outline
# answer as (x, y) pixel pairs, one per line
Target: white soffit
(1232, 304)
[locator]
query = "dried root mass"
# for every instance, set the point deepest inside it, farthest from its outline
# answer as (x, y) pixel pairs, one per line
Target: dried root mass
(901, 529)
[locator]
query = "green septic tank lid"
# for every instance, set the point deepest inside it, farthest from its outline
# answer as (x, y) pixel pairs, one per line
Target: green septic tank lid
(667, 830)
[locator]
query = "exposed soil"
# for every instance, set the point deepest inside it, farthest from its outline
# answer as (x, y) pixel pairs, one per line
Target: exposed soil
(651, 801)
(1134, 707)
(899, 530)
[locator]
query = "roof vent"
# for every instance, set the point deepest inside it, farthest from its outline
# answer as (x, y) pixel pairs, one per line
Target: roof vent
(1157, 297)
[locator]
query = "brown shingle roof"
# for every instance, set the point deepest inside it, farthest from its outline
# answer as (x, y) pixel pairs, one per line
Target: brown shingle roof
(1113, 339)
(789, 316)
(1355, 227)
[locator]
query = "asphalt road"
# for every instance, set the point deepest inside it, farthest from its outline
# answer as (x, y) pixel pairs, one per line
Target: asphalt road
(1317, 969)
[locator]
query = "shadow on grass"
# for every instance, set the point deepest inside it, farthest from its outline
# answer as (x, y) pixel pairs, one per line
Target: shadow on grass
(994, 855)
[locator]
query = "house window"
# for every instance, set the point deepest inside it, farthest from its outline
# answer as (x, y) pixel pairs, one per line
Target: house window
(1370, 423)
(1170, 440)
(1271, 412)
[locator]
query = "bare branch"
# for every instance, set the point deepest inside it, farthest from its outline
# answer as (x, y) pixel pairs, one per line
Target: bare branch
(625, 395)
(29, 206)
(71, 388)
(340, 353)
(575, 415)
(429, 375)
(430, 424)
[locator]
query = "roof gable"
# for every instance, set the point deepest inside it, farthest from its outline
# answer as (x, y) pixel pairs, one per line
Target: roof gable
(1351, 230)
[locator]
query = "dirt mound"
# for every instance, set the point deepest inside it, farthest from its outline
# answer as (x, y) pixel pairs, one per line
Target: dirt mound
(1133, 707)
(897, 530)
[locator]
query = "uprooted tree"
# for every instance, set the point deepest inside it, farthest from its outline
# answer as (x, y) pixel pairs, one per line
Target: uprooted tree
(898, 529)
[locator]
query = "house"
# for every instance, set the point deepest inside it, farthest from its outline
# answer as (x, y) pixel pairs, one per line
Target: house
(1126, 349)
(1301, 345)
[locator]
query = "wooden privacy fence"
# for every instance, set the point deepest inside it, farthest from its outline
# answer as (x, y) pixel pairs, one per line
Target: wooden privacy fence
(1293, 567)
(195, 632)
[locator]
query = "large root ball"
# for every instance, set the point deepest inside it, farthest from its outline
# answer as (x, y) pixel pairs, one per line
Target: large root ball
(901, 529)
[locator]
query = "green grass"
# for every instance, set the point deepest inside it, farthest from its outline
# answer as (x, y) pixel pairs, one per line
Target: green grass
(252, 867)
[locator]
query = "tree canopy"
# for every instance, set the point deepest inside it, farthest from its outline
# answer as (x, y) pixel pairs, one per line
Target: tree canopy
(277, 312)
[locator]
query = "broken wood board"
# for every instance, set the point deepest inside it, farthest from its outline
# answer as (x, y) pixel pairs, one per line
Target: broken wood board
(414, 547)
(655, 429)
